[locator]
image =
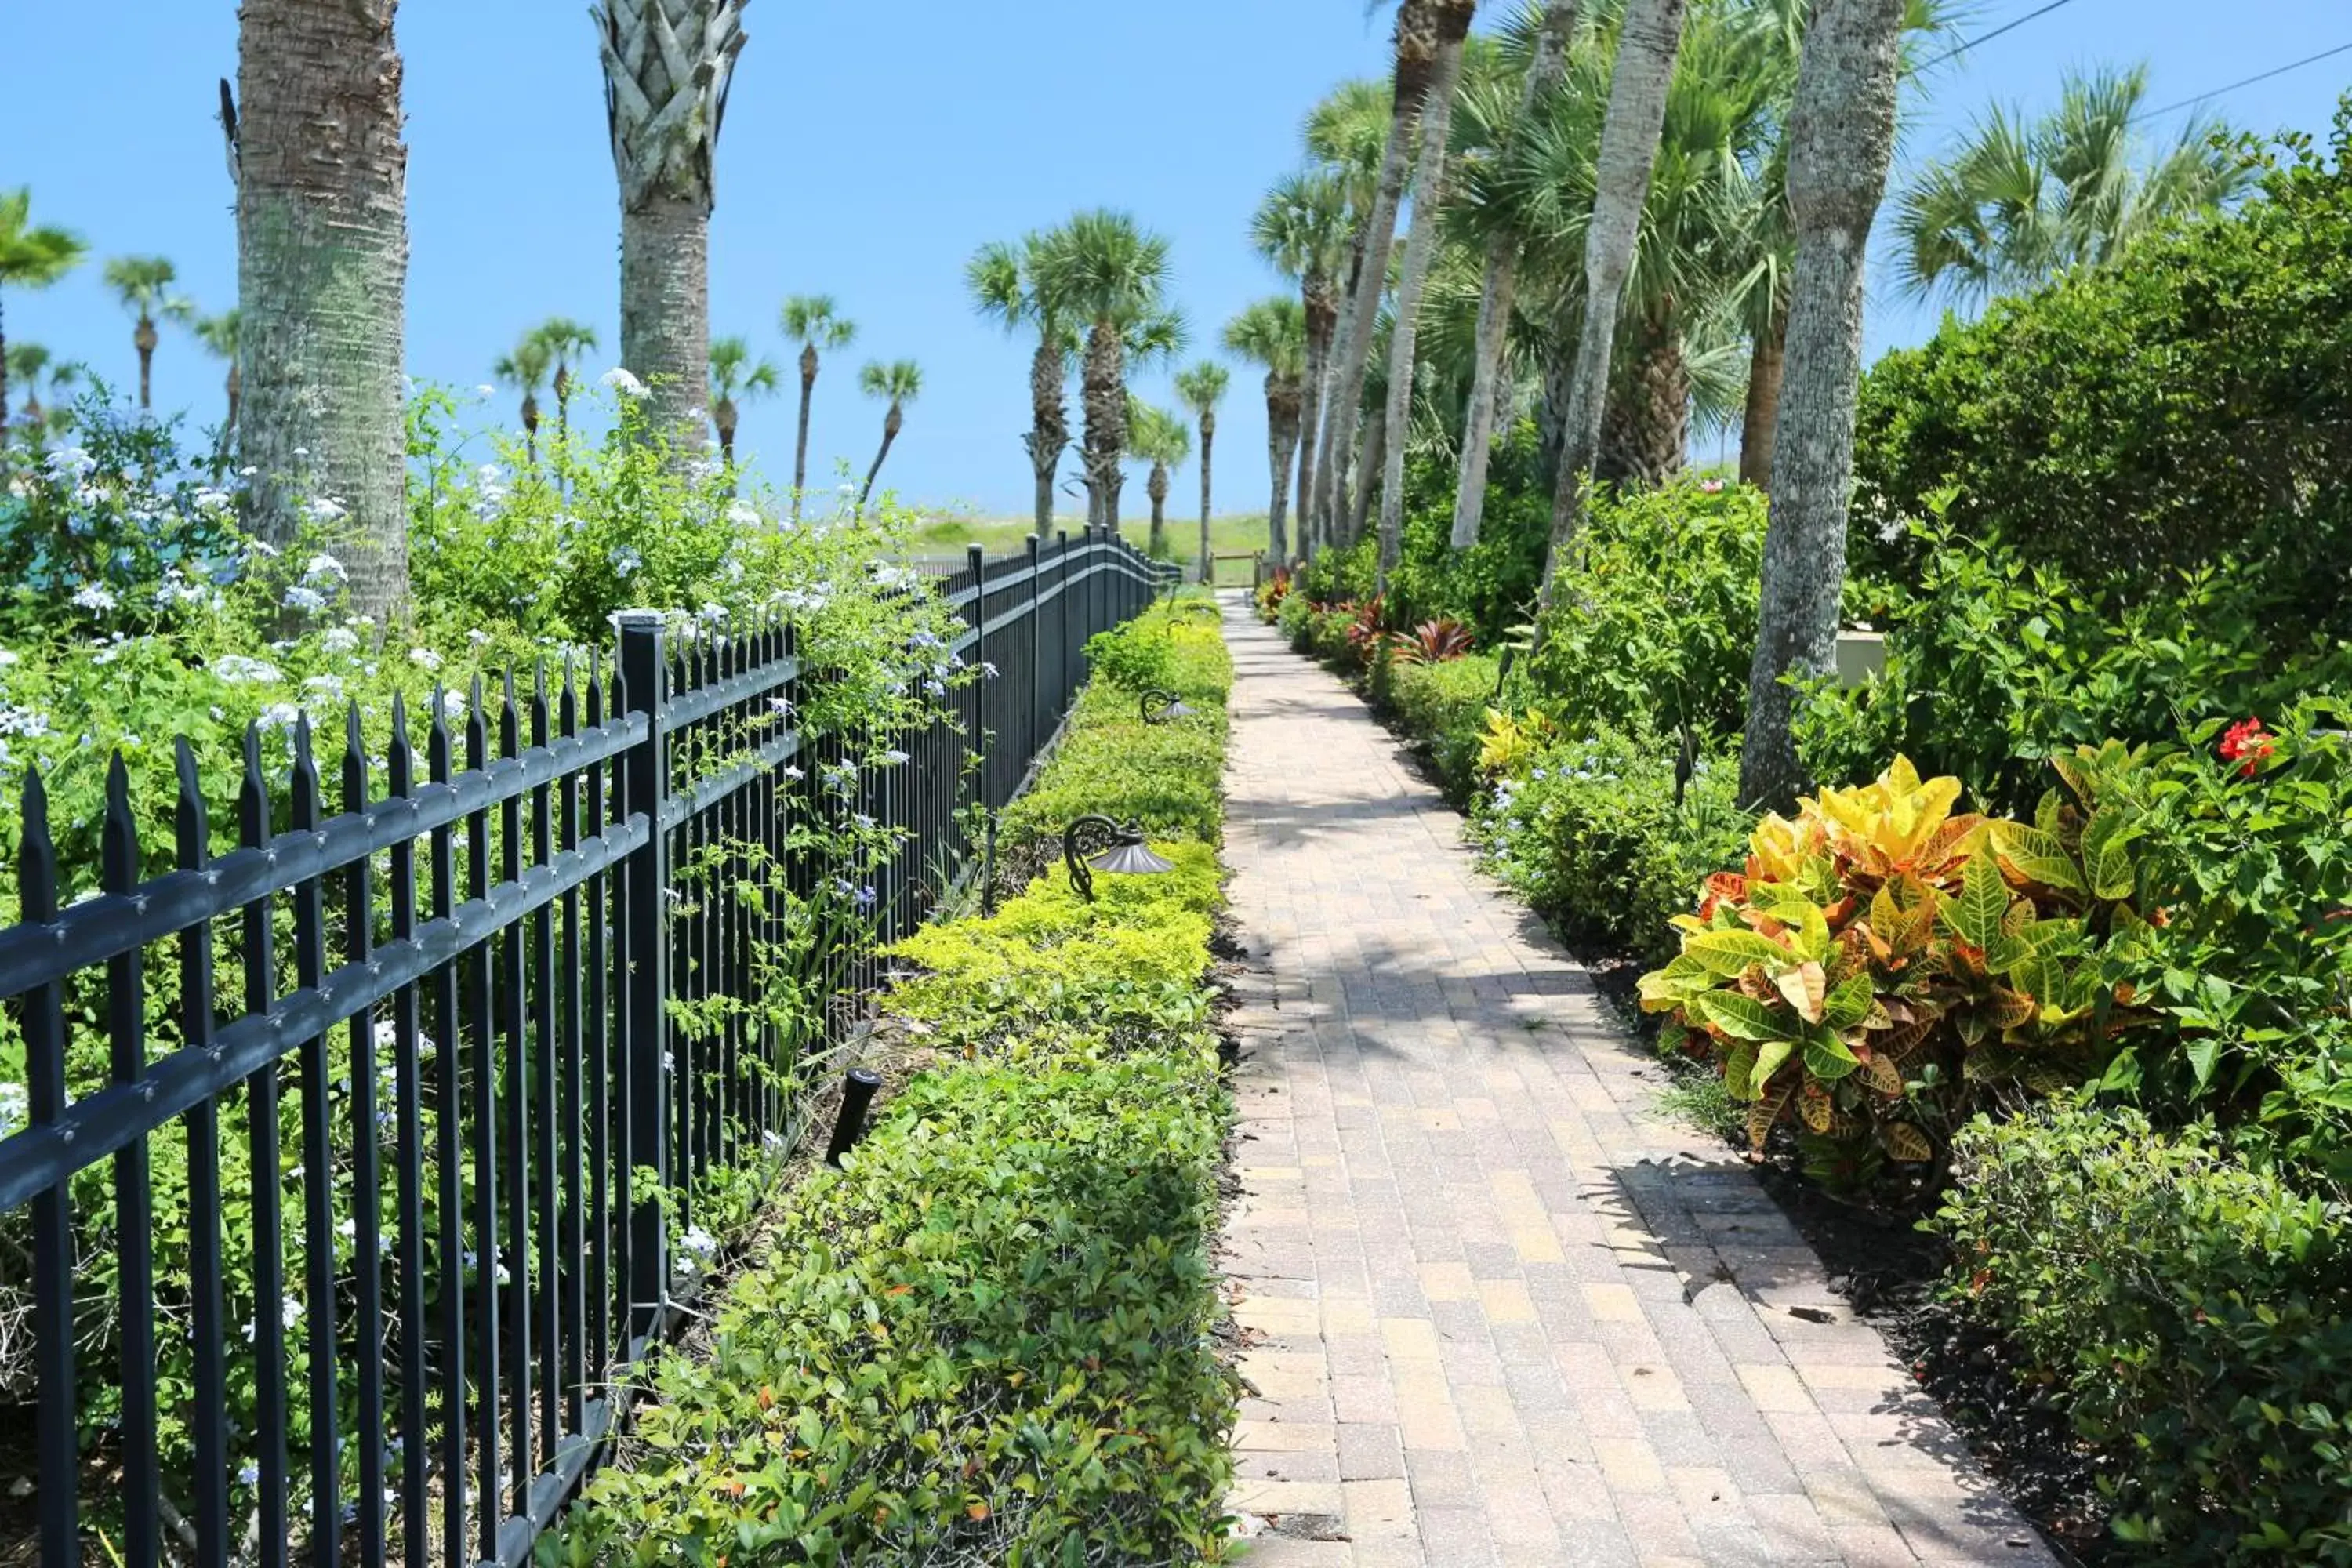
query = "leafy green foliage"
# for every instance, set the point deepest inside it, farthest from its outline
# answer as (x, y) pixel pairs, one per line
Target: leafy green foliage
(1444, 707)
(2194, 1314)
(2183, 409)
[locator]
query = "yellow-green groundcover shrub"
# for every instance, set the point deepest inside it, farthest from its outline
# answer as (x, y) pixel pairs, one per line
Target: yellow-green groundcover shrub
(987, 1338)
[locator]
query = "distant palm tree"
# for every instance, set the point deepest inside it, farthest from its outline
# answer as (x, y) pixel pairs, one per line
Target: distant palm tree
(144, 284)
(525, 370)
(1009, 284)
(1201, 388)
(1303, 228)
(1162, 439)
(1154, 339)
(567, 342)
(736, 377)
(1112, 275)
(1272, 333)
(815, 323)
(30, 258)
(219, 334)
(901, 381)
(668, 68)
(2020, 201)
(32, 365)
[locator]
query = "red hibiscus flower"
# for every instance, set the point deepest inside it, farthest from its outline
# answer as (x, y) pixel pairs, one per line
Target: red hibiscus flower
(2247, 742)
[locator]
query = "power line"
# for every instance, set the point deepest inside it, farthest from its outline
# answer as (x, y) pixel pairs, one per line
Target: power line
(2265, 76)
(2010, 26)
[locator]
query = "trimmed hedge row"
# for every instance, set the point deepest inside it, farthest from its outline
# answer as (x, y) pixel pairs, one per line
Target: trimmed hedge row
(988, 1337)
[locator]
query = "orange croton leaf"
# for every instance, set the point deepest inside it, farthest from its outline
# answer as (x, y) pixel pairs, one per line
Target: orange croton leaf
(978, 1511)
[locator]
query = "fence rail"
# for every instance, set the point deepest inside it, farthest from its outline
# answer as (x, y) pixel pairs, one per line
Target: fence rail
(523, 985)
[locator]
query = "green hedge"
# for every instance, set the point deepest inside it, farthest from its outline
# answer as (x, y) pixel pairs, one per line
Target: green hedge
(988, 1338)
(1443, 708)
(2195, 1315)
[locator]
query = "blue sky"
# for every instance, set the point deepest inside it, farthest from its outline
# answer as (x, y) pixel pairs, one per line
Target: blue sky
(868, 149)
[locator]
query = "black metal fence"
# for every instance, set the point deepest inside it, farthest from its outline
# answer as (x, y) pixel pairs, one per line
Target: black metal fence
(525, 985)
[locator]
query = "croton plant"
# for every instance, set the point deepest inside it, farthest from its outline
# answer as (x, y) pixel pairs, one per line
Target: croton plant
(1881, 958)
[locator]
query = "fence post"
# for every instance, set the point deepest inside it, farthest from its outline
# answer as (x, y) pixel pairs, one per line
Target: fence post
(1034, 736)
(978, 750)
(1062, 623)
(644, 931)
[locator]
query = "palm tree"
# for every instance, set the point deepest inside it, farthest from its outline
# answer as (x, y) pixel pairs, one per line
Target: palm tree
(1010, 285)
(668, 68)
(144, 284)
(1110, 274)
(901, 381)
(30, 258)
(736, 378)
(34, 366)
(1646, 48)
(1420, 241)
(1201, 388)
(2020, 201)
(1840, 138)
(567, 342)
(815, 323)
(1303, 228)
(1547, 63)
(219, 334)
(1272, 333)
(1162, 439)
(322, 275)
(526, 370)
(1417, 45)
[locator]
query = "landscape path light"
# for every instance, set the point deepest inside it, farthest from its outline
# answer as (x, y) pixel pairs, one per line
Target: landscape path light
(1121, 850)
(1160, 706)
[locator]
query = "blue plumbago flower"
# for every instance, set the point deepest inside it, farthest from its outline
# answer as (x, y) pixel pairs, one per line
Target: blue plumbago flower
(325, 569)
(923, 639)
(94, 598)
(893, 758)
(865, 898)
(793, 773)
(988, 671)
(307, 599)
(935, 689)
(249, 1474)
(840, 777)
(626, 561)
(621, 381)
(863, 821)
(781, 706)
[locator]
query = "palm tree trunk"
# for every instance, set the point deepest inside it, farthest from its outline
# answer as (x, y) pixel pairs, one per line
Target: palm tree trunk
(892, 423)
(1208, 450)
(531, 426)
(1416, 57)
(800, 448)
(322, 271)
(1322, 313)
(1375, 445)
(1762, 418)
(1157, 489)
(1420, 246)
(1840, 138)
(1645, 433)
(236, 395)
(1646, 48)
(666, 315)
(1551, 409)
(144, 340)
(1282, 401)
(1545, 70)
(725, 419)
(1049, 430)
(1104, 395)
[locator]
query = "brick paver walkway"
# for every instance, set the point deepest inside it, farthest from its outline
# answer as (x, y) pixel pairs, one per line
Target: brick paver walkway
(1500, 1312)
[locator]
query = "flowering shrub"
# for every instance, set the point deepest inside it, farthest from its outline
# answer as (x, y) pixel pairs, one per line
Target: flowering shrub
(1432, 642)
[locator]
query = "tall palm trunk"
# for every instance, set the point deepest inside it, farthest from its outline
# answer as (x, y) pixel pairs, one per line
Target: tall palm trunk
(1104, 395)
(1157, 489)
(1049, 427)
(1208, 451)
(800, 448)
(892, 423)
(1841, 137)
(1416, 57)
(1321, 300)
(322, 269)
(668, 66)
(144, 341)
(725, 415)
(1645, 434)
(1375, 445)
(1646, 48)
(1545, 70)
(1420, 246)
(1282, 404)
(1762, 418)
(531, 426)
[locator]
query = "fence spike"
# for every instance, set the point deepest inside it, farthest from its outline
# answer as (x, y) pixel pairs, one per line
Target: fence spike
(119, 842)
(400, 763)
(191, 823)
(306, 778)
(253, 795)
(355, 761)
(36, 854)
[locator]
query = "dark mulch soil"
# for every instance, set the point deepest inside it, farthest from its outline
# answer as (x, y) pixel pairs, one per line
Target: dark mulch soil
(1888, 1270)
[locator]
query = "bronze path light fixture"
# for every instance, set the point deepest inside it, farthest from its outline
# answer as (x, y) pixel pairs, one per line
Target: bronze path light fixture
(1159, 707)
(1122, 849)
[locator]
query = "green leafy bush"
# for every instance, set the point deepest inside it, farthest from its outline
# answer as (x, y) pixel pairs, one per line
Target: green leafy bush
(987, 1339)
(1443, 708)
(2188, 407)
(1138, 657)
(2194, 1313)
